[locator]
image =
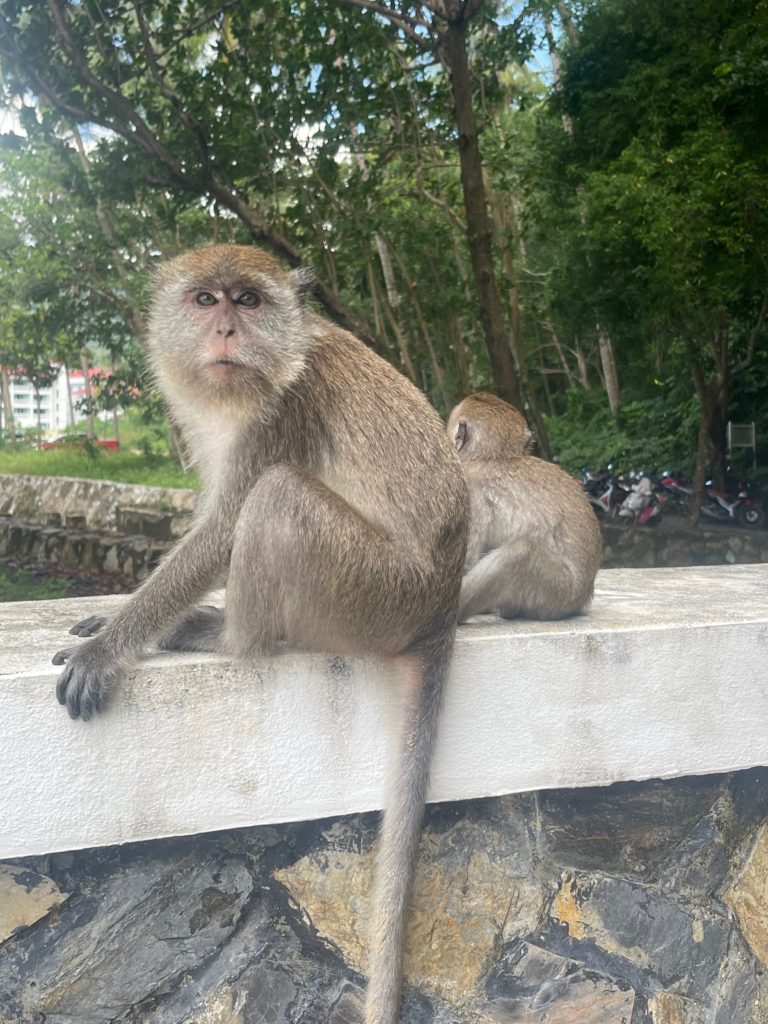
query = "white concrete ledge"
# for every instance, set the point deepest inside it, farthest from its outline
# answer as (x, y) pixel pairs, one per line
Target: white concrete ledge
(666, 676)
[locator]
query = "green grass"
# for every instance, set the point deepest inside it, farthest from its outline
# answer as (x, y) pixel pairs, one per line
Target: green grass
(143, 458)
(20, 585)
(125, 466)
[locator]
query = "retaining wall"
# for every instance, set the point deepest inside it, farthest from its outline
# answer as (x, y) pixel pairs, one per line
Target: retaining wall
(561, 881)
(126, 528)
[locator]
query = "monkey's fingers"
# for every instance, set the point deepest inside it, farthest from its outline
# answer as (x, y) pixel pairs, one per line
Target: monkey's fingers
(89, 673)
(62, 656)
(89, 626)
(82, 690)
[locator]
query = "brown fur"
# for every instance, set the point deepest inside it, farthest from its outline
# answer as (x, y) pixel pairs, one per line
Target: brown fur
(314, 455)
(534, 546)
(498, 430)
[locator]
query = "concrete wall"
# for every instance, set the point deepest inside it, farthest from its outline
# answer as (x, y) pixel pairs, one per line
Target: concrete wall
(545, 894)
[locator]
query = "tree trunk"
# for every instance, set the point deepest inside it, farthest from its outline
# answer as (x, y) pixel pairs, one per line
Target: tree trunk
(504, 230)
(70, 403)
(718, 442)
(459, 357)
(609, 369)
(703, 455)
(454, 52)
(390, 305)
(604, 339)
(378, 316)
(713, 395)
(581, 362)
(720, 397)
(425, 331)
(9, 423)
(86, 368)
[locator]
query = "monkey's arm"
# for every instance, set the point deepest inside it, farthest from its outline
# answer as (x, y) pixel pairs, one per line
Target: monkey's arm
(188, 572)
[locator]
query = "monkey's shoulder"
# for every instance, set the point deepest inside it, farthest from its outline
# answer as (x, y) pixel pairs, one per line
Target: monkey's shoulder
(347, 366)
(523, 480)
(384, 448)
(371, 406)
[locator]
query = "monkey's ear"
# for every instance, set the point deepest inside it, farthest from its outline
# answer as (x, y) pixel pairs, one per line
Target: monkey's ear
(460, 435)
(531, 441)
(303, 281)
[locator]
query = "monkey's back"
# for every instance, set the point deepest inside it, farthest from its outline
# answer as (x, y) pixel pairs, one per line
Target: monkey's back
(525, 495)
(385, 450)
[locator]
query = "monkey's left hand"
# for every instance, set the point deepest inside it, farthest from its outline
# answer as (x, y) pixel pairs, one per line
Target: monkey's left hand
(90, 673)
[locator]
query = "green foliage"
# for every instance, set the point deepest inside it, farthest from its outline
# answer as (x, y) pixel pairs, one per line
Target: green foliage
(144, 456)
(330, 132)
(650, 434)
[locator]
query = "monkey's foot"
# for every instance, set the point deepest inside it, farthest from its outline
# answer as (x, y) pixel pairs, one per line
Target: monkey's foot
(85, 683)
(87, 627)
(199, 631)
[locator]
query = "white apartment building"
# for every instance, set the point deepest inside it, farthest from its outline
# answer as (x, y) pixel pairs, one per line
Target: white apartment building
(56, 415)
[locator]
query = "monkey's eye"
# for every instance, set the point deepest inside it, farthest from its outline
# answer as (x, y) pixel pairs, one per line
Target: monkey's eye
(205, 299)
(248, 299)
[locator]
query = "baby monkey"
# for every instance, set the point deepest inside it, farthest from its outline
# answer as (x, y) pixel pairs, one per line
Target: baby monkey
(534, 542)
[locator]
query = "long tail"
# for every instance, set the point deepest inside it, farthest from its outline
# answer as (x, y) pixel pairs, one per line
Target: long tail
(426, 671)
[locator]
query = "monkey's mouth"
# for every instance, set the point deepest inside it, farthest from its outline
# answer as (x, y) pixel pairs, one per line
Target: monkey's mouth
(225, 365)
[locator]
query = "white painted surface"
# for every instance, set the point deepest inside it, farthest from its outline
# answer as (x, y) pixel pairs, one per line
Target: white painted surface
(665, 676)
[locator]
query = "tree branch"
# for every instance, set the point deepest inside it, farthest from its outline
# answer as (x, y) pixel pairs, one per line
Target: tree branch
(753, 334)
(134, 127)
(170, 94)
(443, 205)
(408, 26)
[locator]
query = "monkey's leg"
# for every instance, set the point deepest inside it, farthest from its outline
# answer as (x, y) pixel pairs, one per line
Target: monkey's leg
(490, 579)
(307, 566)
(201, 630)
(522, 579)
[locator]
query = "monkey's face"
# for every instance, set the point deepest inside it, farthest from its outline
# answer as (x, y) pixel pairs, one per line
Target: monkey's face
(228, 323)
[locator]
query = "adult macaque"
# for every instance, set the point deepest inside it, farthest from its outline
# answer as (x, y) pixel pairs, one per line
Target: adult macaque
(314, 454)
(534, 543)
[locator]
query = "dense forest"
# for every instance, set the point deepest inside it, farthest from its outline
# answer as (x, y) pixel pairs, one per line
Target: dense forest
(563, 202)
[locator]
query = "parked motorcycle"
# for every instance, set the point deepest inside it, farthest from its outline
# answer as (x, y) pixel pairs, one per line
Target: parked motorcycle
(603, 491)
(735, 503)
(642, 504)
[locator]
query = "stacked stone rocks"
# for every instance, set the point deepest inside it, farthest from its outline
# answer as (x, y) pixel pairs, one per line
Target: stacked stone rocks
(640, 903)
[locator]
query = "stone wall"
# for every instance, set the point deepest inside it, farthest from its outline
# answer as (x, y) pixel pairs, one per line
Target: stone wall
(673, 543)
(127, 527)
(160, 512)
(640, 903)
(101, 524)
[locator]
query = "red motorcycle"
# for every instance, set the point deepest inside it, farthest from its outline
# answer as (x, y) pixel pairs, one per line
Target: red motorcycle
(735, 503)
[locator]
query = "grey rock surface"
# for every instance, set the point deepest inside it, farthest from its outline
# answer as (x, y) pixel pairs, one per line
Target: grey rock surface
(525, 912)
